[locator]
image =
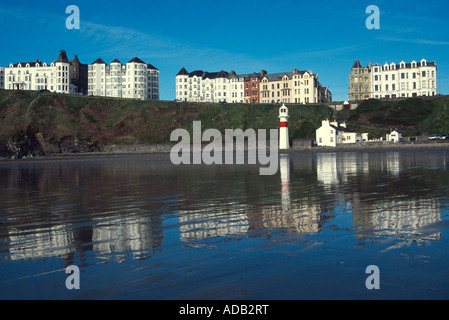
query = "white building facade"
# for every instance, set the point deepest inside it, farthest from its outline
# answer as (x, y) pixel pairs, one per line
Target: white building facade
(201, 86)
(394, 136)
(288, 87)
(54, 77)
(331, 133)
(404, 79)
(394, 80)
(135, 79)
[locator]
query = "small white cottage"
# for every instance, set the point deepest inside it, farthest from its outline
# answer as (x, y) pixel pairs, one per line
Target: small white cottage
(394, 136)
(331, 133)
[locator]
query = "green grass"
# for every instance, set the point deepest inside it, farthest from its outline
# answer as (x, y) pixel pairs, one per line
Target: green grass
(111, 120)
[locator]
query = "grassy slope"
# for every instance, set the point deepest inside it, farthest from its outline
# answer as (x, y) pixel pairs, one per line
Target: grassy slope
(123, 121)
(108, 120)
(412, 116)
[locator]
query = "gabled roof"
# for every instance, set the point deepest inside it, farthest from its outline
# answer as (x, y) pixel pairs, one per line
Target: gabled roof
(277, 76)
(116, 61)
(136, 60)
(182, 72)
(99, 61)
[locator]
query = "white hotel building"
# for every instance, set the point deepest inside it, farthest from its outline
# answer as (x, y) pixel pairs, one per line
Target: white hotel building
(202, 86)
(402, 80)
(135, 79)
(36, 75)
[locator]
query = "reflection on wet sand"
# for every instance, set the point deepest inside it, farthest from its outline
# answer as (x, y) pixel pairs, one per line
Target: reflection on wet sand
(123, 207)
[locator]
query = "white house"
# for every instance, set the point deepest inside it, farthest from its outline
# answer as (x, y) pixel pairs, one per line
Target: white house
(394, 136)
(331, 133)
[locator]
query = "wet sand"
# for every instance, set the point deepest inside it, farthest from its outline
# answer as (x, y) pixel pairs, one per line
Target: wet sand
(161, 151)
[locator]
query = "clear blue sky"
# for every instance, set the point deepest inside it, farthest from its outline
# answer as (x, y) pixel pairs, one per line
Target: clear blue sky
(246, 36)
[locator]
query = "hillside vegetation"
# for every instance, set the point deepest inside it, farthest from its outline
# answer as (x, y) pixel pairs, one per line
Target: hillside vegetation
(414, 116)
(87, 123)
(66, 123)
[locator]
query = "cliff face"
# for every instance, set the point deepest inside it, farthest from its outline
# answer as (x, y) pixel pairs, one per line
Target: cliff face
(44, 123)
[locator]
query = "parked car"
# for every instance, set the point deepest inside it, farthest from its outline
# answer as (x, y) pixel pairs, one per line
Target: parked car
(444, 137)
(434, 137)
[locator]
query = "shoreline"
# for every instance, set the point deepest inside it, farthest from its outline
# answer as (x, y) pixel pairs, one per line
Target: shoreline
(164, 149)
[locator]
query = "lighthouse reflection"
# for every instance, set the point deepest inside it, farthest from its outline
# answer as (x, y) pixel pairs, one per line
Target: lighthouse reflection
(303, 215)
(284, 168)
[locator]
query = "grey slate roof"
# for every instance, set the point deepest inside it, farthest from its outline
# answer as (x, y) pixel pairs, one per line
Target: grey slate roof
(62, 56)
(150, 66)
(137, 60)
(356, 65)
(182, 72)
(99, 61)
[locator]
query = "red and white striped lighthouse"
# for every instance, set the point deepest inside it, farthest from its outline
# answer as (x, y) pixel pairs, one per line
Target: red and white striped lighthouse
(283, 129)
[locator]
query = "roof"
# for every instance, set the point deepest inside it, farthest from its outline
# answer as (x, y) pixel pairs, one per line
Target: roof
(340, 128)
(23, 64)
(397, 66)
(150, 66)
(222, 74)
(116, 61)
(182, 72)
(356, 65)
(99, 61)
(249, 75)
(62, 56)
(278, 76)
(136, 60)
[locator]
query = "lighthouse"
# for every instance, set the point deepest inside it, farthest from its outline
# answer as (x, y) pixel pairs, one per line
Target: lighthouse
(283, 129)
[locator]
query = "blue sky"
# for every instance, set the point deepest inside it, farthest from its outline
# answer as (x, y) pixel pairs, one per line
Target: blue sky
(245, 36)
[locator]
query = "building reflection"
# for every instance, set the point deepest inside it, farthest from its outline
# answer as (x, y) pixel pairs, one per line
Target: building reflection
(221, 219)
(117, 211)
(303, 216)
(399, 212)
